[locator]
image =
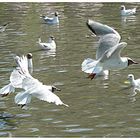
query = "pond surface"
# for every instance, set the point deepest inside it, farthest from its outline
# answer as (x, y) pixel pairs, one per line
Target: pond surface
(97, 108)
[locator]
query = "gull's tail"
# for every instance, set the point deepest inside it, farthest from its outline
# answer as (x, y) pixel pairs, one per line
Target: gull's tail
(91, 66)
(7, 90)
(23, 98)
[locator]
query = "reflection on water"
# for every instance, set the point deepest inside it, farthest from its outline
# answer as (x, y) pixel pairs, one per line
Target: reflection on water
(128, 19)
(99, 107)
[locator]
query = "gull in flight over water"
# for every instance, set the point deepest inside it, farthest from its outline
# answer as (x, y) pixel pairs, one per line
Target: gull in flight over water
(15, 78)
(107, 53)
(21, 78)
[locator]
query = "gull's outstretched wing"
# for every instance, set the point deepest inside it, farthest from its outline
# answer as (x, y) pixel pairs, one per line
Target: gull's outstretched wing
(44, 94)
(114, 52)
(108, 36)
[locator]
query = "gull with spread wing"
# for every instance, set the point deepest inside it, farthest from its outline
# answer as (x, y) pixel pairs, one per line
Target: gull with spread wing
(15, 77)
(107, 53)
(21, 78)
(33, 87)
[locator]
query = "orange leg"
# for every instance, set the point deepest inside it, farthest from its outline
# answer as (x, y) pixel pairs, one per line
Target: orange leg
(91, 75)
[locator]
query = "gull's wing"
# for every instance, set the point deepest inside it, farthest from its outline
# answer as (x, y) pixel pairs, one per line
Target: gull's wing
(47, 19)
(22, 62)
(106, 42)
(108, 36)
(30, 82)
(16, 78)
(100, 29)
(23, 98)
(130, 11)
(44, 94)
(114, 52)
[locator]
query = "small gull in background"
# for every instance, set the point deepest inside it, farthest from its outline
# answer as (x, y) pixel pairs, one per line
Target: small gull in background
(3, 27)
(135, 83)
(51, 20)
(50, 45)
(127, 12)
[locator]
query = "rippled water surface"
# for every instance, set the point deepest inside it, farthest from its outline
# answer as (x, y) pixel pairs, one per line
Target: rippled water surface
(98, 108)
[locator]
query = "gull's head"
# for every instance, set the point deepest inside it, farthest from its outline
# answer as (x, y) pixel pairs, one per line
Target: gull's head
(52, 38)
(56, 14)
(42, 16)
(29, 56)
(130, 61)
(130, 77)
(122, 7)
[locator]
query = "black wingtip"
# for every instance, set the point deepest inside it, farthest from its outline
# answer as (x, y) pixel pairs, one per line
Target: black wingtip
(6, 24)
(89, 22)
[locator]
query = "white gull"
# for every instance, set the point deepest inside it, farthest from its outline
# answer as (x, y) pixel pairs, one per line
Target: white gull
(127, 12)
(15, 78)
(33, 87)
(50, 45)
(3, 27)
(135, 83)
(108, 51)
(51, 20)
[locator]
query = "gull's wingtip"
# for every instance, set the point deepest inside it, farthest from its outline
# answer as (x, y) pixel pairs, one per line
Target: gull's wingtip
(66, 105)
(90, 23)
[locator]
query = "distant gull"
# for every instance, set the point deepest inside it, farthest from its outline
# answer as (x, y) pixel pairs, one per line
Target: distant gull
(108, 51)
(51, 20)
(50, 45)
(127, 12)
(3, 27)
(135, 83)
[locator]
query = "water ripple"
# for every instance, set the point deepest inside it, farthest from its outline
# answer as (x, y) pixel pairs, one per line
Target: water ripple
(76, 130)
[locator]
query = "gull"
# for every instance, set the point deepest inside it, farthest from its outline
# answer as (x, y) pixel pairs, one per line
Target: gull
(127, 12)
(33, 87)
(15, 78)
(21, 78)
(50, 45)
(3, 27)
(135, 83)
(107, 53)
(51, 20)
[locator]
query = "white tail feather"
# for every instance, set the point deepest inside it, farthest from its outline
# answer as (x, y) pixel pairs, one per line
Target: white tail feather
(7, 89)
(23, 98)
(88, 65)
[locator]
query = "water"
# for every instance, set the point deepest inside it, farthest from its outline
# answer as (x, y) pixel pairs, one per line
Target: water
(98, 108)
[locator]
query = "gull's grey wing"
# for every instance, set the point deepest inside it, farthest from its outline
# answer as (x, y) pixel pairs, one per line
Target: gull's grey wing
(108, 36)
(100, 29)
(105, 43)
(114, 52)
